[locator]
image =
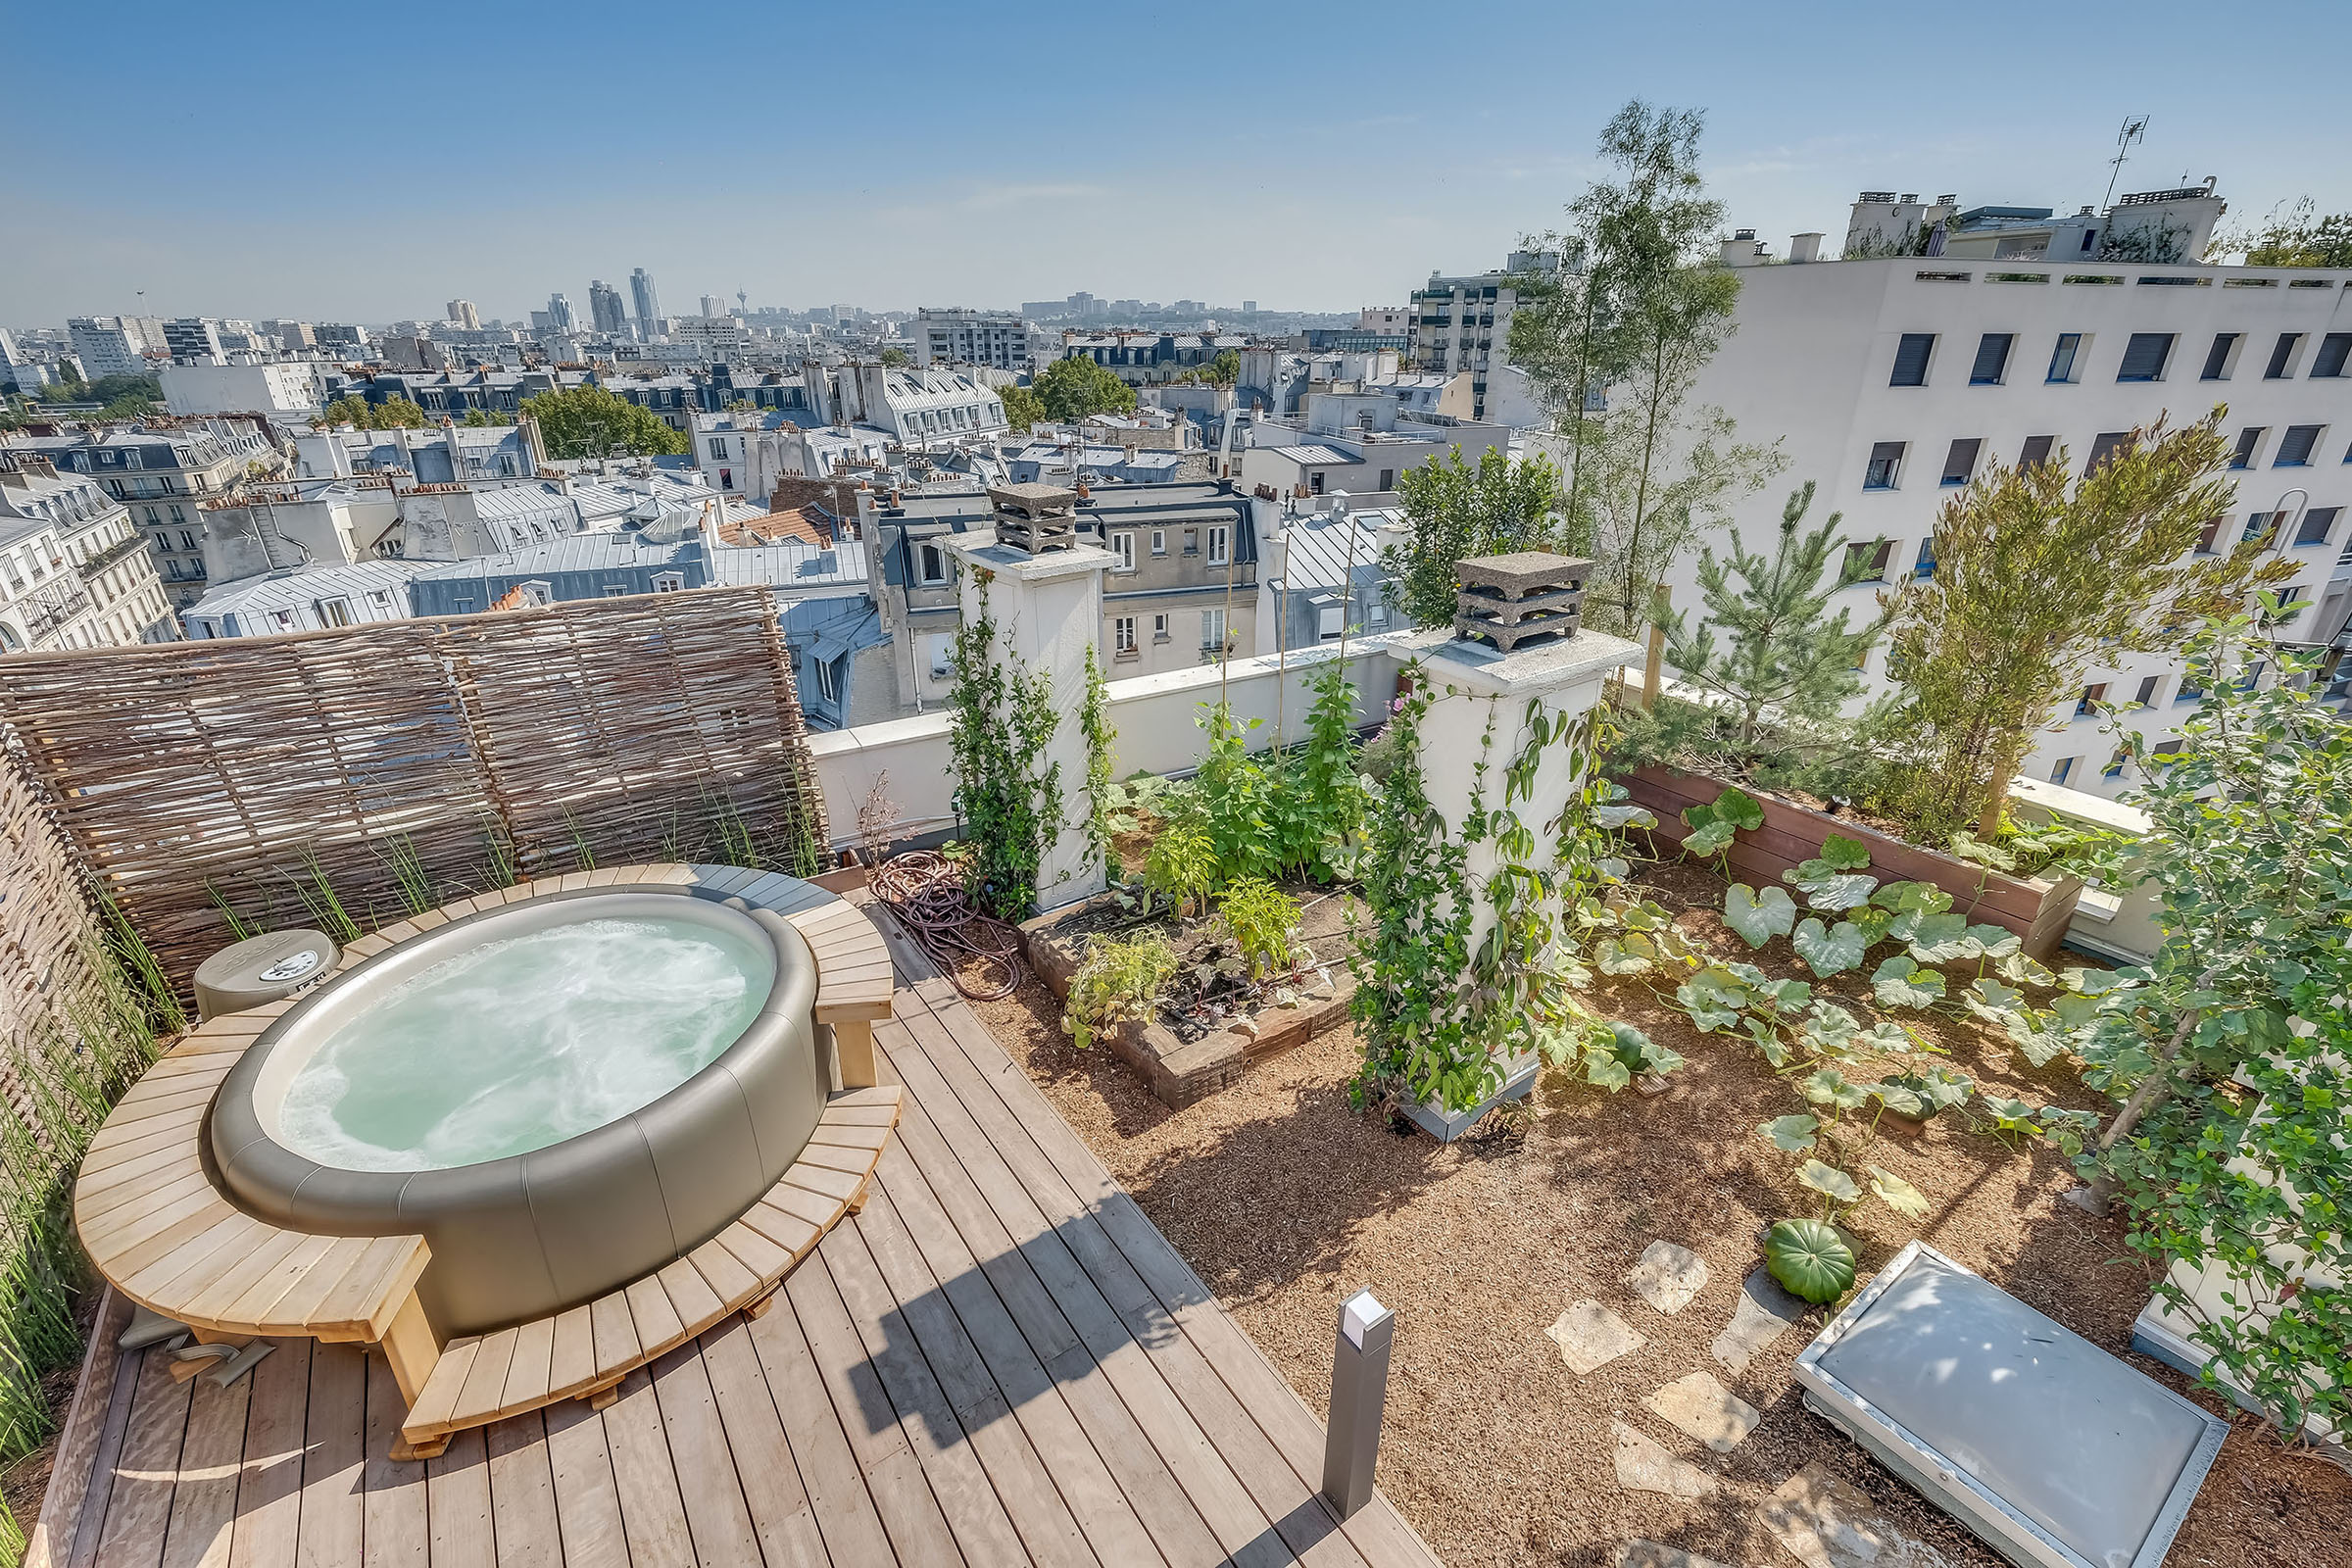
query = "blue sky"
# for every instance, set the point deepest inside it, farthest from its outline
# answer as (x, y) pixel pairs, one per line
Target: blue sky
(368, 162)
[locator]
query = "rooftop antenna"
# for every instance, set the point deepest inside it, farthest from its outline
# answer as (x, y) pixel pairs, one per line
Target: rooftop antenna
(2135, 128)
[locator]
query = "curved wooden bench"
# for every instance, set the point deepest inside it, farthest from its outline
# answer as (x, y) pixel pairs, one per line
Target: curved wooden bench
(156, 1226)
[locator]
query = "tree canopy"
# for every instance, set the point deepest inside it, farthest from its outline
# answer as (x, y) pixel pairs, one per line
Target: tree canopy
(589, 421)
(2040, 574)
(1073, 388)
(1021, 406)
(1455, 511)
(393, 413)
(2304, 237)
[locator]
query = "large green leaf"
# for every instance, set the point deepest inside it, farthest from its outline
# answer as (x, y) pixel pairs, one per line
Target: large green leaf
(1837, 892)
(1631, 953)
(2035, 1042)
(1714, 998)
(1830, 1029)
(1845, 853)
(1828, 1181)
(1912, 898)
(2009, 1115)
(1606, 1071)
(2092, 982)
(1939, 939)
(1993, 941)
(1993, 1001)
(1829, 949)
(1740, 809)
(1901, 983)
(1791, 1135)
(1708, 838)
(1937, 1088)
(1827, 1086)
(1810, 1259)
(1782, 996)
(1624, 816)
(1758, 917)
(1897, 1194)
(1899, 1097)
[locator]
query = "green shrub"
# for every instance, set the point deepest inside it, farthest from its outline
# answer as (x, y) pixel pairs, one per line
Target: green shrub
(1117, 981)
(1263, 922)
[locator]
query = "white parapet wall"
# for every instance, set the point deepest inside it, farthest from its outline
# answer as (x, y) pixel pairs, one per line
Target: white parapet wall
(1156, 716)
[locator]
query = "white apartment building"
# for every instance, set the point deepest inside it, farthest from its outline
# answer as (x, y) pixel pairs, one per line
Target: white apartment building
(1002, 340)
(109, 345)
(1891, 382)
(745, 451)
(1464, 324)
(924, 409)
(74, 570)
(293, 387)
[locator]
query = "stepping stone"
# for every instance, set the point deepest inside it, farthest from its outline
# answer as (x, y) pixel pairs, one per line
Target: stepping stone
(1668, 1276)
(1829, 1523)
(1639, 1553)
(1590, 1335)
(1705, 1410)
(1644, 1465)
(1765, 1313)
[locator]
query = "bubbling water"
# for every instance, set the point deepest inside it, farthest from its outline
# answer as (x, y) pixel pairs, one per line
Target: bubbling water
(522, 1042)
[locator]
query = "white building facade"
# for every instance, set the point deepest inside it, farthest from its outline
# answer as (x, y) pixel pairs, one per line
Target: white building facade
(1892, 382)
(1002, 340)
(1464, 324)
(76, 567)
(294, 387)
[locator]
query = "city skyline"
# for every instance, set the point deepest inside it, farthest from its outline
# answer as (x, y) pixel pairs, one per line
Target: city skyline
(1303, 208)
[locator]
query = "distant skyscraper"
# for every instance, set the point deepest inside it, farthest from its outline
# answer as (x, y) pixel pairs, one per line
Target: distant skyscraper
(605, 308)
(713, 305)
(559, 314)
(463, 314)
(649, 303)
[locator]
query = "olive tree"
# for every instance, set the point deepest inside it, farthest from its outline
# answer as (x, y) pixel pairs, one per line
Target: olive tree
(2040, 574)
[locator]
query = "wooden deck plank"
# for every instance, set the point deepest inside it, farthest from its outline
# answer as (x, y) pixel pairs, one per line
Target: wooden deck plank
(184, 1270)
(571, 1352)
(457, 1489)
(212, 1303)
(799, 1203)
(335, 1466)
(394, 1530)
(614, 1331)
(755, 1254)
(729, 1281)
(1175, 1484)
(1059, 1395)
(269, 1480)
(139, 1504)
(653, 1515)
(485, 1377)
(523, 1495)
(81, 1468)
(1057, 1170)
(528, 1375)
(1207, 1445)
(866, 1140)
(204, 1499)
(845, 1517)
(780, 1510)
(442, 1393)
(715, 1512)
(918, 1527)
(659, 1328)
(587, 1502)
(987, 1480)
(839, 1185)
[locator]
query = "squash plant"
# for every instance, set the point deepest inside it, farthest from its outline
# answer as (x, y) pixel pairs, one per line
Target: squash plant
(1117, 980)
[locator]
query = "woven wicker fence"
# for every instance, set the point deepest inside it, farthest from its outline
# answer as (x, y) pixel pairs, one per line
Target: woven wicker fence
(340, 779)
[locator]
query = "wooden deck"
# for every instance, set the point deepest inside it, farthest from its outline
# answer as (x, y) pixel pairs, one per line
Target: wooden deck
(1001, 1361)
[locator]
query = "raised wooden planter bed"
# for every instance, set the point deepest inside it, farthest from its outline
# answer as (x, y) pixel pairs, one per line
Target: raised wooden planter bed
(2038, 909)
(1181, 1074)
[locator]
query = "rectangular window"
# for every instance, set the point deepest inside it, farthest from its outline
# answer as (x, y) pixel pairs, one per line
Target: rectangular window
(2064, 356)
(2248, 441)
(2036, 451)
(1220, 537)
(2263, 526)
(616, 590)
(1328, 621)
(1122, 636)
(2089, 703)
(2108, 444)
(2064, 771)
(1911, 360)
(1992, 358)
(828, 679)
(334, 611)
(2283, 357)
(1886, 466)
(1159, 627)
(2294, 447)
(2147, 691)
(1866, 563)
(2115, 764)
(1159, 541)
(2316, 525)
(1925, 566)
(2217, 357)
(1122, 546)
(2334, 349)
(1961, 461)
(1212, 631)
(2144, 357)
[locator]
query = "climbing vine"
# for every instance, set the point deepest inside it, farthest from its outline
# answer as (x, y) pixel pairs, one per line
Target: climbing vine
(1102, 805)
(999, 725)
(1443, 1020)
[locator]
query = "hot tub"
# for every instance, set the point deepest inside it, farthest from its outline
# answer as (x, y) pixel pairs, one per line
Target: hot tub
(560, 1094)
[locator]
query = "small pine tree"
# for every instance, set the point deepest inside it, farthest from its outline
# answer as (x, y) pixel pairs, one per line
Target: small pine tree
(1781, 652)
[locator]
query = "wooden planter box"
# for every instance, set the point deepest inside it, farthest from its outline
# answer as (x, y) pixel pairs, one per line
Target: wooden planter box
(2035, 909)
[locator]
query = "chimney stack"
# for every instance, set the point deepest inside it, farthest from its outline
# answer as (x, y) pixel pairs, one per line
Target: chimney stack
(1804, 247)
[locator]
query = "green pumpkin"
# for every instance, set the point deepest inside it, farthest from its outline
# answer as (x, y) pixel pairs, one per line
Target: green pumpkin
(1810, 1259)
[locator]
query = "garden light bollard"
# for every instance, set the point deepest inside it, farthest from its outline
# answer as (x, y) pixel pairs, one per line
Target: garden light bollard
(1359, 1395)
